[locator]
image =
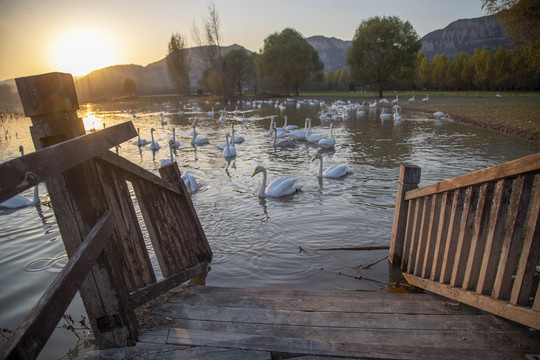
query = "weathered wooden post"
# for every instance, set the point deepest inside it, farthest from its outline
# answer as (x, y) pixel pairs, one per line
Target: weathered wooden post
(409, 178)
(78, 201)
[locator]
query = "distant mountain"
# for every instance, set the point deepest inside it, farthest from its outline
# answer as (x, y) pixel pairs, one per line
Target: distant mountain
(465, 35)
(149, 80)
(332, 51)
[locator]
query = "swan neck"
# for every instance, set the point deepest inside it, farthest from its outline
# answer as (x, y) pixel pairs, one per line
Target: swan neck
(36, 194)
(263, 184)
(320, 167)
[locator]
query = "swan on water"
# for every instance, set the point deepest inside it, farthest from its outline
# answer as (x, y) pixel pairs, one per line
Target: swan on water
(154, 145)
(194, 131)
(312, 138)
(191, 182)
(19, 201)
(328, 143)
(426, 98)
(289, 127)
(163, 122)
(229, 150)
(199, 141)
(175, 143)
(395, 101)
(140, 142)
(411, 99)
(397, 115)
(236, 139)
(282, 143)
(385, 115)
(334, 171)
(211, 113)
(171, 157)
(299, 134)
(278, 187)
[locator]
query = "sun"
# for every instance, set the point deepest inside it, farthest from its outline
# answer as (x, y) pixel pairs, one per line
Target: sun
(80, 51)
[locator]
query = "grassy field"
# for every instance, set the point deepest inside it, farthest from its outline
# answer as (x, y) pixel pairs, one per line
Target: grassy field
(514, 113)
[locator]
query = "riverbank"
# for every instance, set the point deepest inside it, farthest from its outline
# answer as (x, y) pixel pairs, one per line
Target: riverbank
(513, 113)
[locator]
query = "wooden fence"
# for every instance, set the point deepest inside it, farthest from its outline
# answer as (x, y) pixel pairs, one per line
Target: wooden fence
(474, 238)
(109, 262)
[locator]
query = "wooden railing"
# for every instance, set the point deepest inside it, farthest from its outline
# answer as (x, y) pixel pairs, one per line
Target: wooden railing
(89, 190)
(474, 238)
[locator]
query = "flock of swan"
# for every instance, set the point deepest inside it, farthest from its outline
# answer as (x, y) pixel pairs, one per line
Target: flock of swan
(287, 136)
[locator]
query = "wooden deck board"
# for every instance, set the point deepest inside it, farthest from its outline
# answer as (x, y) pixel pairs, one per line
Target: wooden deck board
(211, 322)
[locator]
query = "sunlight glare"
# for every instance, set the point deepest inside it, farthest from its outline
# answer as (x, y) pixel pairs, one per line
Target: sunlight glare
(81, 51)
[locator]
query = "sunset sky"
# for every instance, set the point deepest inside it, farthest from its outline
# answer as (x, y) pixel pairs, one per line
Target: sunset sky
(39, 36)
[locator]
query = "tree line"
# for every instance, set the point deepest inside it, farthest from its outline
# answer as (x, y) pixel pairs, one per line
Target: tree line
(384, 55)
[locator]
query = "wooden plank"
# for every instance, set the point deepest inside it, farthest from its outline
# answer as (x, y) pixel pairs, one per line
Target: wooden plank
(512, 238)
(528, 259)
(465, 234)
(416, 228)
(144, 195)
(442, 235)
(486, 275)
(150, 351)
(453, 236)
(372, 344)
(407, 242)
(457, 321)
(145, 294)
(409, 178)
(478, 242)
(32, 334)
(29, 170)
(423, 236)
(509, 169)
(137, 267)
(522, 315)
(133, 172)
(315, 301)
(432, 236)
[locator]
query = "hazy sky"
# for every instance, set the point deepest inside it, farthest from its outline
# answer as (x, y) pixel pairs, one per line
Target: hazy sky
(39, 36)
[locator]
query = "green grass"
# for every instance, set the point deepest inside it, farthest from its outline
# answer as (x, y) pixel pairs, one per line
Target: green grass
(516, 112)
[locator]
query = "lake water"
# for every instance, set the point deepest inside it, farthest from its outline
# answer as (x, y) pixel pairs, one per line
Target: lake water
(258, 242)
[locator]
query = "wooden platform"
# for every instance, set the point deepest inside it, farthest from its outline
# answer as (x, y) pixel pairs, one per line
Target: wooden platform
(204, 322)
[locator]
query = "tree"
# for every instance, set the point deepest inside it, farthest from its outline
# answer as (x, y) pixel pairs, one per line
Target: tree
(178, 64)
(129, 86)
(287, 61)
(209, 45)
(381, 49)
(235, 68)
(521, 19)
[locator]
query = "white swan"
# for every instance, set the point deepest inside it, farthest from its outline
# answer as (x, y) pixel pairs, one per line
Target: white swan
(211, 113)
(175, 143)
(411, 99)
(282, 143)
(426, 98)
(199, 141)
(328, 143)
(229, 150)
(299, 134)
(191, 182)
(395, 101)
(19, 201)
(312, 138)
(385, 115)
(154, 145)
(397, 116)
(289, 127)
(163, 122)
(334, 171)
(194, 132)
(140, 142)
(236, 139)
(498, 95)
(278, 187)
(171, 157)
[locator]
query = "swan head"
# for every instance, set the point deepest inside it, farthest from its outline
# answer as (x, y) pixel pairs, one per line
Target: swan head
(21, 149)
(151, 130)
(258, 169)
(316, 156)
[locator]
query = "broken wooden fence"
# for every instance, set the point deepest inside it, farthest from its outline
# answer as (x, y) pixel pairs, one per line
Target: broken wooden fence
(90, 194)
(474, 238)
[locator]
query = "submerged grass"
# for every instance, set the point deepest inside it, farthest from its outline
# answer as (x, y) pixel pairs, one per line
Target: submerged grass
(515, 113)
